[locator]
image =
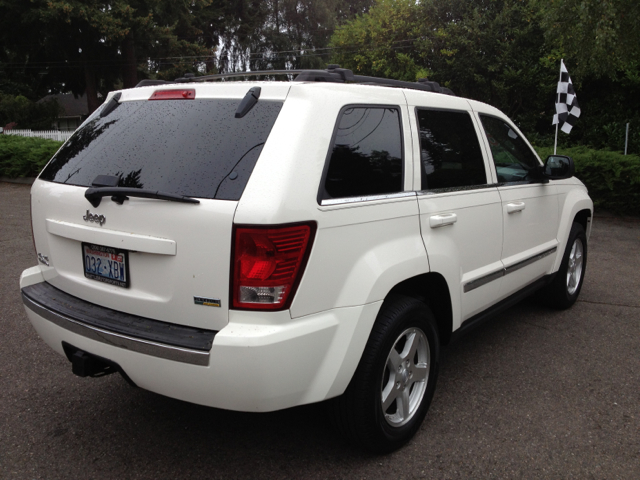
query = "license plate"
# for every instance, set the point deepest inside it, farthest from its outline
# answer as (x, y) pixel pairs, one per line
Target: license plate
(106, 264)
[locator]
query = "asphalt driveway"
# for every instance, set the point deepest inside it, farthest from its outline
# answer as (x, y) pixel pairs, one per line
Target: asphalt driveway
(535, 393)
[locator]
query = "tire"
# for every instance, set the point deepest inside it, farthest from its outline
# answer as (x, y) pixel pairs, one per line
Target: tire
(400, 365)
(563, 291)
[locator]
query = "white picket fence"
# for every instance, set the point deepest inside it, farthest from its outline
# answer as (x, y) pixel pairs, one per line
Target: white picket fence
(50, 134)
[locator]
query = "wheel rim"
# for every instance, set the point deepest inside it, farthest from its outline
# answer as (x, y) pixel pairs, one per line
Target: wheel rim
(405, 376)
(574, 268)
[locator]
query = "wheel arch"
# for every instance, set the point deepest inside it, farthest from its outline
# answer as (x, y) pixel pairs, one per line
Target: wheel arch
(583, 217)
(578, 207)
(432, 289)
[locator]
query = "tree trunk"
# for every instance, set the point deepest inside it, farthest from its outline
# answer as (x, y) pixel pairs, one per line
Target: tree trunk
(91, 90)
(130, 67)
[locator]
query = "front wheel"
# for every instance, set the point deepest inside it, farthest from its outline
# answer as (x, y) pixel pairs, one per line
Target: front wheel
(389, 395)
(565, 288)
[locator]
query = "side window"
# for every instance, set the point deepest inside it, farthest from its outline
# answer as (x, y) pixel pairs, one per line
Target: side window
(450, 154)
(366, 155)
(512, 157)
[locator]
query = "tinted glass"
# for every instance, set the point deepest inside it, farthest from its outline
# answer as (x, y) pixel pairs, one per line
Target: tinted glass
(187, 147)
(450, 153)
(366, 156)
(512, 157)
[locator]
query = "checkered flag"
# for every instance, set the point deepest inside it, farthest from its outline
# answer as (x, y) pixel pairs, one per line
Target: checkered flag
(567, 109)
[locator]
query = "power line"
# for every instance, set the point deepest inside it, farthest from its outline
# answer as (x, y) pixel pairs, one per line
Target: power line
(268, 55)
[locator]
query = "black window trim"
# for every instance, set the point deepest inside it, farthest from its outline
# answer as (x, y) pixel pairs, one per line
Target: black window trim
(464, 188)
(434, 191)
(324, 199)
(492, 162)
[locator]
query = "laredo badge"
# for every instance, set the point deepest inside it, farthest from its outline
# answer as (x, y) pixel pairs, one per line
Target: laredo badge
(207, 302)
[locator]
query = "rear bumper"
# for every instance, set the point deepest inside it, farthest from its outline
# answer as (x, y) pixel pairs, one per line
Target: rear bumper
(260, 361)
(139, 334)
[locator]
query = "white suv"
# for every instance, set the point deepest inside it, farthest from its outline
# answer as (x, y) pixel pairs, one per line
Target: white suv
(259, 245)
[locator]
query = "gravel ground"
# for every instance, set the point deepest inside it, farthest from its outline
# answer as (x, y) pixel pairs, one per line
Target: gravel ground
(535, 393)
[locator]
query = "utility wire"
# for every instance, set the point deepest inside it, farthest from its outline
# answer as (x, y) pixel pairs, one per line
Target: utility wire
(275, 55)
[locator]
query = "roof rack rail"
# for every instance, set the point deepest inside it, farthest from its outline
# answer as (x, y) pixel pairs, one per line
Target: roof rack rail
(220, 76)
(333, 74)
(147, 82)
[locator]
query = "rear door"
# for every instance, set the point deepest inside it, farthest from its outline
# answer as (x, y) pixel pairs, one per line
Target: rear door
(460, 211)
(151, 257)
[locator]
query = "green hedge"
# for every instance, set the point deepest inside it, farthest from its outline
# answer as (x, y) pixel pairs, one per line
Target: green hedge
(613, 179)
(24, 156)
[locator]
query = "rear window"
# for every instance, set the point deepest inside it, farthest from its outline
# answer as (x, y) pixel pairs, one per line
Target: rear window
(186, 147)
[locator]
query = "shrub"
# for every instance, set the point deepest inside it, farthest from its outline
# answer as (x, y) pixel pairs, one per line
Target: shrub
(613, 179)
(25, 156)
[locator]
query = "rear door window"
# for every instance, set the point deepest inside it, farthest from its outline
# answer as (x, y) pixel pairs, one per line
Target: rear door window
(366, 154)
(450, 154)
(186, 147)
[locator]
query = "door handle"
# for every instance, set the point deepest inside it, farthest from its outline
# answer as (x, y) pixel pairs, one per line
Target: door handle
(442, 220)
(515, 207)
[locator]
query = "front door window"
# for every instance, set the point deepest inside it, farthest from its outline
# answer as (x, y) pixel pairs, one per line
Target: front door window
(514, 160)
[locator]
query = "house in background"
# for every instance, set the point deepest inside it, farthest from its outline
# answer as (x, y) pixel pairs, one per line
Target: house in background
(74, 110)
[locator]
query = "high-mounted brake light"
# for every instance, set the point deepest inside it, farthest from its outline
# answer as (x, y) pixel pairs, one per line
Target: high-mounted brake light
(176, 94)
(268, 263)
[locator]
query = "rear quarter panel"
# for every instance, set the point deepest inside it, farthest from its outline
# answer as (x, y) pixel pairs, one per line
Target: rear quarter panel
(361, 250)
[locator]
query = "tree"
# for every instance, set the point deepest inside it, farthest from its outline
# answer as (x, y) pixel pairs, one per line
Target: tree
(494, 51)
(26, 113)
(383, 42)
(485, 50)
(602, 37)
(93, 45)
(278, 34)
(23, 60)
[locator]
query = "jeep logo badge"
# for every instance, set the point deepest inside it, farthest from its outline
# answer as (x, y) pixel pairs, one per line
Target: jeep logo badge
(89, 217)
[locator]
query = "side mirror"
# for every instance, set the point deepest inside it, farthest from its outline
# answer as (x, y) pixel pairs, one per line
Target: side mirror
(558, 167)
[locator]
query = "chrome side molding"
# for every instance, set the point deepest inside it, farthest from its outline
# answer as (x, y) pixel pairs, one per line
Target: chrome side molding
(469, 286)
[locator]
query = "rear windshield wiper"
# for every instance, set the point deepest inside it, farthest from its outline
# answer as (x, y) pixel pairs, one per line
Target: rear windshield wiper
(95, 194)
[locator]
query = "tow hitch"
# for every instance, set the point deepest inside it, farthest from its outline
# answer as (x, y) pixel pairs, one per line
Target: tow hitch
(86, 364)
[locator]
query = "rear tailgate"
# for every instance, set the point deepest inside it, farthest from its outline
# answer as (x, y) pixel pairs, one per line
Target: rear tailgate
(176, 255)
(175, 252)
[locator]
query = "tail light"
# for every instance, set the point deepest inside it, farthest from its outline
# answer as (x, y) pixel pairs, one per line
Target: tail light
(268, 263)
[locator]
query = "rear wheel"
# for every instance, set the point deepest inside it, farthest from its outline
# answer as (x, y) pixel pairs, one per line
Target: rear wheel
(392, 388)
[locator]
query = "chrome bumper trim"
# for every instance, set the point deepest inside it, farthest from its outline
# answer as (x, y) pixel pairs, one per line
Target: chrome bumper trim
(146, 347)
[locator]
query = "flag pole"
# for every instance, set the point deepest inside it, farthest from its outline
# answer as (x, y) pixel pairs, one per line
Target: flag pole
(555, 143)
